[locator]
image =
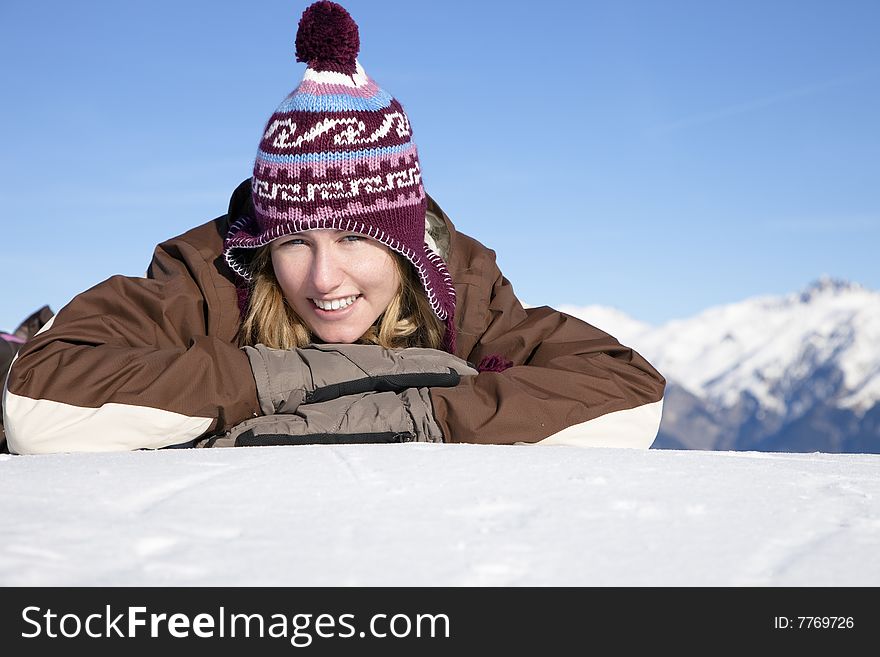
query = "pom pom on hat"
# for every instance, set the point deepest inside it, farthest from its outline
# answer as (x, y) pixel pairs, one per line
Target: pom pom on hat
(328, 38)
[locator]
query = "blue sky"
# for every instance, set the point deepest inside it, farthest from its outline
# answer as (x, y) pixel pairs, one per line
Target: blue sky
(658, 157)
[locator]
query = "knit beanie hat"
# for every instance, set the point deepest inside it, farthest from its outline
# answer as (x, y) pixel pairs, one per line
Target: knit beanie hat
(338, 153)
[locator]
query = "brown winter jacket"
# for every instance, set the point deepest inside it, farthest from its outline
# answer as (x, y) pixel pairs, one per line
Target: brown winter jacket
(152, 362)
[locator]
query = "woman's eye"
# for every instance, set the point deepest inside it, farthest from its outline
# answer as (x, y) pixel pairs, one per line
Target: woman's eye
(353, 238)
(294, 242)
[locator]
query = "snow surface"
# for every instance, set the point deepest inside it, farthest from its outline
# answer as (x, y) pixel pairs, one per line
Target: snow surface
(424, 514)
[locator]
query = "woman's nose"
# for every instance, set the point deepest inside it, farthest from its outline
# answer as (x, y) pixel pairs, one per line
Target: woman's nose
(327, 271)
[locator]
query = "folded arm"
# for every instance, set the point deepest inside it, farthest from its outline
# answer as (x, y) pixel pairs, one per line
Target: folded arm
(130, 364)
(570, 383)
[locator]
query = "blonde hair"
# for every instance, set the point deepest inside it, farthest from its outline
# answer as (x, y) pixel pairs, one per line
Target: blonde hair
(408, 321)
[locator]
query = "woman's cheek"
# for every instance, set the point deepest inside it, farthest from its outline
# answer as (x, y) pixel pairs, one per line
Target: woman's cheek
(288, 274)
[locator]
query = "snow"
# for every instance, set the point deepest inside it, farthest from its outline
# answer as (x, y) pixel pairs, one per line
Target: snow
(612, 320)
(764, 345)
(438, 515)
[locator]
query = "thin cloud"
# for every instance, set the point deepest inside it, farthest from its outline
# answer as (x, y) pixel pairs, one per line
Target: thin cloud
(820, 225)
(761, 103)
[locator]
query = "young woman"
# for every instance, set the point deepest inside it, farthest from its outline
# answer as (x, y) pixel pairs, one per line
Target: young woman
(334, 302)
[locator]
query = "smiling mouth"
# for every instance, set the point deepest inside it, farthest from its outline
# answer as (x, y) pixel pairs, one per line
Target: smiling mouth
(335, 304)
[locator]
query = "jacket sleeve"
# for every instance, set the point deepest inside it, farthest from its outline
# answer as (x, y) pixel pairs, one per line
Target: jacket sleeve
(133, 363)
(570, 382)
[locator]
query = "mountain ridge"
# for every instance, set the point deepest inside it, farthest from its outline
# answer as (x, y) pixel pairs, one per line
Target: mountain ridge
(745, 374)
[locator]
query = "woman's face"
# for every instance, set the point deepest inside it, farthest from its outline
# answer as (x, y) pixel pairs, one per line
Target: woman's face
(338, 282)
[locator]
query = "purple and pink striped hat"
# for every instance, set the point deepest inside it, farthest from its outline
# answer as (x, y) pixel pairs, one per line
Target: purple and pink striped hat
(338, 153)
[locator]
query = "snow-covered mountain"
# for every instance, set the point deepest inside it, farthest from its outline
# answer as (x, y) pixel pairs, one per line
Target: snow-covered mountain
(794, 373)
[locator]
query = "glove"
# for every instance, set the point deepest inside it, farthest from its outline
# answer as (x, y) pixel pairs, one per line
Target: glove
(369, 417)
(287, 378)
